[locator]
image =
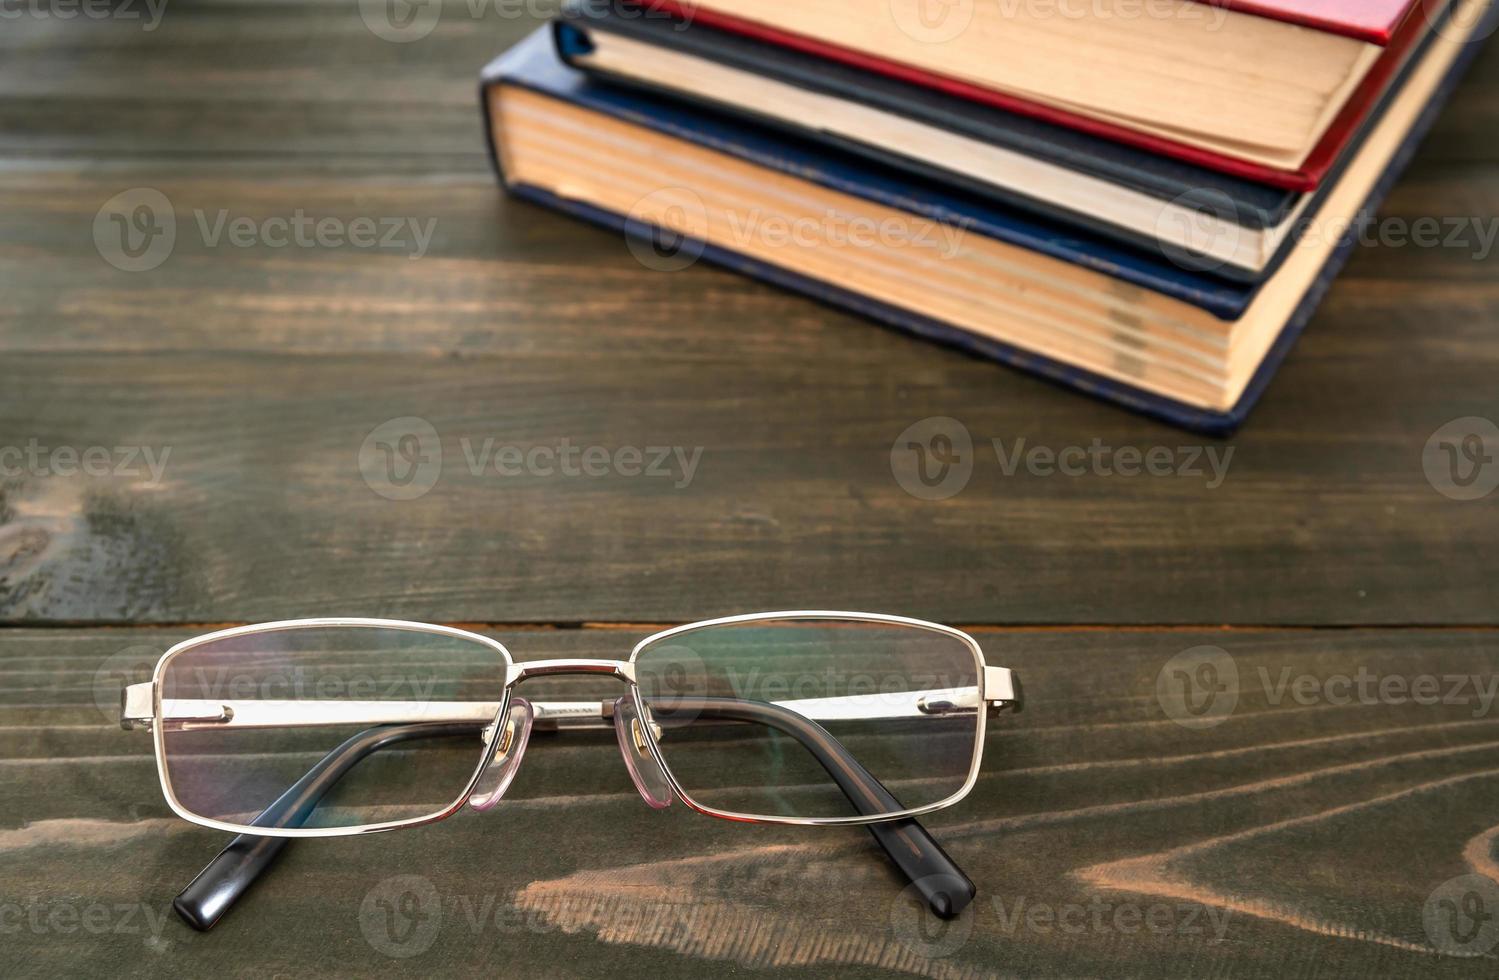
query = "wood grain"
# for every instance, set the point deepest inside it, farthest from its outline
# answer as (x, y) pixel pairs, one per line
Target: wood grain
(1314, 836)
(1296, 835)
(262, 370)
(264, 384)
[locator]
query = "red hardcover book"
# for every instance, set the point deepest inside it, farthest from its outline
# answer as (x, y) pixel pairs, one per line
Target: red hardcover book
(1375, 21)
(1393, 25)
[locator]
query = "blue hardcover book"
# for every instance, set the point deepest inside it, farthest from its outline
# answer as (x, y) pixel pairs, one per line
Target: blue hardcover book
(1123, 324)
(1239, 229)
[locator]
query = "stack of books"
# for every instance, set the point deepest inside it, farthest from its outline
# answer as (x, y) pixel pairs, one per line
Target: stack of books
(1144, 199)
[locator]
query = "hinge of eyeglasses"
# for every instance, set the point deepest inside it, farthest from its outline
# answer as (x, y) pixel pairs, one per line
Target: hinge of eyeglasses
(137, 707)
(138, 710)
(1002, 688)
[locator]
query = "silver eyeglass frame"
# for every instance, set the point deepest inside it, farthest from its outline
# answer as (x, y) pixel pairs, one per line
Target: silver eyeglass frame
(158, 729)
(981, 673)
(143, 707)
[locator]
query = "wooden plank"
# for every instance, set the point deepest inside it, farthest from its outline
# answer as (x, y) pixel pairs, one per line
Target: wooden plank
(264, 512)
(254, 80)
(1310, 825)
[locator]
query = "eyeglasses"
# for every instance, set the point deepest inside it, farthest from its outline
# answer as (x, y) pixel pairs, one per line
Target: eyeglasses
(334, 727)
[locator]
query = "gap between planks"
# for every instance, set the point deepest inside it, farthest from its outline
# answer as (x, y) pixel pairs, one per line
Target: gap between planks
(629, 626)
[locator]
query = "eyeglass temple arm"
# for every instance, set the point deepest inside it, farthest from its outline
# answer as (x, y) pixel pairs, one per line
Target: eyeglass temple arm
(220, 884)
(215, 889)
(1001, 689)
(944, 886)
(939, 880)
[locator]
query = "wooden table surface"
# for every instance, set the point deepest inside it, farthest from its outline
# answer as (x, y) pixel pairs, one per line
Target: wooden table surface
(1302, 826)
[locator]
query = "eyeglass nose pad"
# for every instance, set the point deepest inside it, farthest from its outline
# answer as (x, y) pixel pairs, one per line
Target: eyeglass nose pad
(645, 772)
(514, 735)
